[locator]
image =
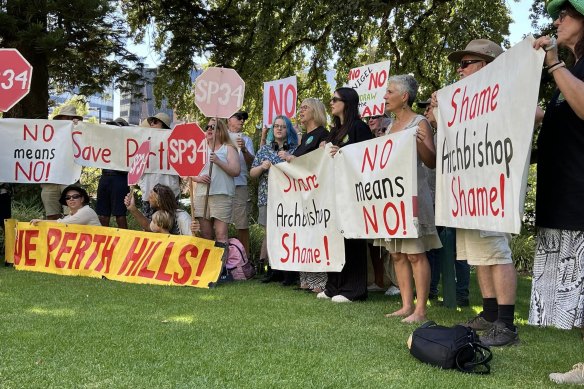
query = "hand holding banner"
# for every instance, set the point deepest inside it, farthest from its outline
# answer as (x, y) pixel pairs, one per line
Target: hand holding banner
(484, 142)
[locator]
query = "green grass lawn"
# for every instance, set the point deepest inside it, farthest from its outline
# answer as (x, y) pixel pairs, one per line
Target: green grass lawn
(59, 331)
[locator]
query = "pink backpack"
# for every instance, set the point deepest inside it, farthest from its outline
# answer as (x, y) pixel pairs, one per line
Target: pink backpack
(237, 263)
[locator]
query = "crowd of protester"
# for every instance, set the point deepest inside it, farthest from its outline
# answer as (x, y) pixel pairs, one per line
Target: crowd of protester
(410, 265)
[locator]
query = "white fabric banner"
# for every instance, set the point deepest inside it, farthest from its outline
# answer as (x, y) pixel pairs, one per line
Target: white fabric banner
(376, 187)
(370, 83)
(485, 126)
(37, 151)
(302, 233)
(112, 147)
(279, 99)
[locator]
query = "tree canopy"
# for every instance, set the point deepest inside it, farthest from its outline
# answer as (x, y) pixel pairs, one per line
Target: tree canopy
(80, 44)
(270, 39)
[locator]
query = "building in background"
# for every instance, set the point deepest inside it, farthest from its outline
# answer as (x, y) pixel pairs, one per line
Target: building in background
(101, 106)
(135, 109)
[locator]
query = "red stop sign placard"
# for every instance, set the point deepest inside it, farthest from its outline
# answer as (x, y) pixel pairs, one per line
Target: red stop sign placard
(139, 163)
(187, 149)
(219, 92)
(15, 75)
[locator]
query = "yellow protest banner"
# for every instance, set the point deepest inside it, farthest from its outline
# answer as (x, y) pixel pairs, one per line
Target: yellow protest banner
(9, 236)
(121, 255)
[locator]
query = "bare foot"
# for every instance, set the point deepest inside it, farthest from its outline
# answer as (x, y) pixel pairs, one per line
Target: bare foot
(415, 318)
(400, 312)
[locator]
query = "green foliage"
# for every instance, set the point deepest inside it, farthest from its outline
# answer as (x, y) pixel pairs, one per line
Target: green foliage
(70, 332)
(523, 249)
(79, 44)
(267, 40)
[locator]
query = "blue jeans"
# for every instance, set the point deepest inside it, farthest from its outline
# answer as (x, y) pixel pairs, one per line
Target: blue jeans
(461, 269)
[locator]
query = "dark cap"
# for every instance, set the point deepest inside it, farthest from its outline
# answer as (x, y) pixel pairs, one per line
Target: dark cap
(240, 115)
(424, 104)
(120, 122)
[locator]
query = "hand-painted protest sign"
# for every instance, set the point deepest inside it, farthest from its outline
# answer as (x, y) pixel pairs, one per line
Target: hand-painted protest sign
(139, 163)
(134, 256)
(37, 151)
(376, 187)
(301, 226)
(280, 99)
(485, 125)
(112, 147)
(370, 83)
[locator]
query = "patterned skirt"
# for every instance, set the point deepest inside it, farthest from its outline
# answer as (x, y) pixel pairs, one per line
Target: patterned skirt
(313, 280)
(557, 290)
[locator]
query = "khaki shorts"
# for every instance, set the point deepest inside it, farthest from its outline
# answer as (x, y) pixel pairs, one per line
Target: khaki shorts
(220, 207)
(481, 248)
(241, 208)
(413, 245)
(50, 195)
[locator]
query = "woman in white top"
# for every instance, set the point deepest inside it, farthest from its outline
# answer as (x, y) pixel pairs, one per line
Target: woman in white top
(409, 255)
(77, 199)
(216, 188)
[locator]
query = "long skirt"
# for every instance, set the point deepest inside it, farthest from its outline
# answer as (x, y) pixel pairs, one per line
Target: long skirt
(557, 290)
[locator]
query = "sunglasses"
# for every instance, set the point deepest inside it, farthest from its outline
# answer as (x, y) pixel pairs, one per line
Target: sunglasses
(304, 107)
(210, 127)
(73, 197)
(375, 117)
(562, 15)
(336, 99)
(467, 62)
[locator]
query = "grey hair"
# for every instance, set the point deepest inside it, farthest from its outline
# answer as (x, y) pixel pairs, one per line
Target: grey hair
(406, 83)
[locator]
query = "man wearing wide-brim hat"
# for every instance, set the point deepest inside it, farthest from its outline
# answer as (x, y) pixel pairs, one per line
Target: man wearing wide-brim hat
(148, 180)
(489, 251)
(50, 193)
(68, 112)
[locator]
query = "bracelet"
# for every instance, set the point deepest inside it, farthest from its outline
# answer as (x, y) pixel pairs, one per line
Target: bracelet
(556, 67)
(551, 66)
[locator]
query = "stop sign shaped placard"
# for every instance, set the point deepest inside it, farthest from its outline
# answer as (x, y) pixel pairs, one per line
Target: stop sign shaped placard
(15, 75)
(187, 149)
(219, 92)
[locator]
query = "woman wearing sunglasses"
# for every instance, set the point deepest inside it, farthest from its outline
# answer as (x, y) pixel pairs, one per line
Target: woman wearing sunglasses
(348, 128)
(216, 187)
(281, 137)
(77, 199)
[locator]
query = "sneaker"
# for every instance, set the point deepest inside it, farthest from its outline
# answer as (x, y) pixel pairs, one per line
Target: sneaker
(392, 291)
(322, 295)
(574, 376)
(499, 335)
(340, 299)
(374, 288)
(478, 323)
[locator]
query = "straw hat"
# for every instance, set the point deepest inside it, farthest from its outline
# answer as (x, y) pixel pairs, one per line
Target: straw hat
(68, 110)
(482, 48)
(164, 118)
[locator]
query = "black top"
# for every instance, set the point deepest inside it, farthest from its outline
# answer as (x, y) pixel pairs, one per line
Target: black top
(358, 132)
(311, 141)
(560, 167)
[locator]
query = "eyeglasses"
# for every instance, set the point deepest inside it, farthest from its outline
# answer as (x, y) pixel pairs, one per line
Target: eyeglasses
(467, 62)
(210, 127)
(335, 99)
(562, 15)
(279, 126)
(304, 107)
(73, 197)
